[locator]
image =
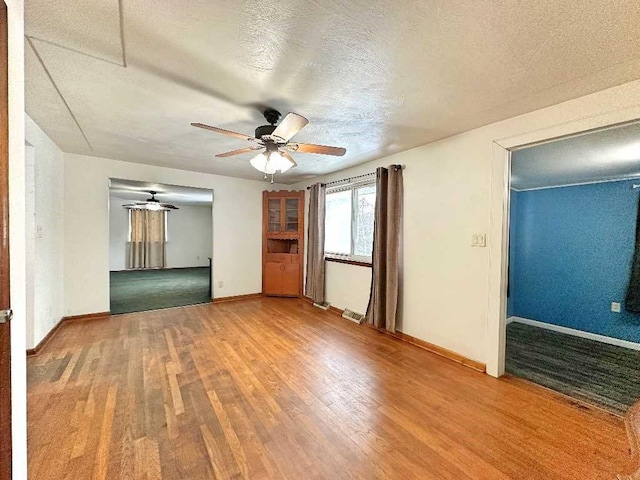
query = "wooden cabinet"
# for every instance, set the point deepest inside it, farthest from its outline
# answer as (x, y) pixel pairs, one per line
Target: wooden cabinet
(282, 243)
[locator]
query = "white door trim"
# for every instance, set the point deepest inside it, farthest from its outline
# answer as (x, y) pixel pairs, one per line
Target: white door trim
(495, 342)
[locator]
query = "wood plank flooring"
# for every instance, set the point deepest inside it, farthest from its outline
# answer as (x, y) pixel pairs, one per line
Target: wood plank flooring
(275, 388)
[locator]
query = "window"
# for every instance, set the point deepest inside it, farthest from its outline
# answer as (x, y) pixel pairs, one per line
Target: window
(349, 221)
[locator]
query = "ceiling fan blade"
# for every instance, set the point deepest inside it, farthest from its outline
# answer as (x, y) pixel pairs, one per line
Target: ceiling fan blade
(288, 156)
(319, 149)
(236, 152)
(291, 125)
(222, 131)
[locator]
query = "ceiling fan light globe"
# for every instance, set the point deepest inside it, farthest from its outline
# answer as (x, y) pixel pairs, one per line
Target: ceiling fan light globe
(259, 162)
(263, 164)
(279, 162)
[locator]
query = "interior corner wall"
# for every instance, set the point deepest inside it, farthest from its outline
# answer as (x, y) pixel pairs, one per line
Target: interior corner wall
(237, 228)
(571, 254)
(45, 230)
(189, 233)
(449, 190)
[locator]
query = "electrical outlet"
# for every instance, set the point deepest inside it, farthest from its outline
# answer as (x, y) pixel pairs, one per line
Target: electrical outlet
(615, 307)
(220, 284)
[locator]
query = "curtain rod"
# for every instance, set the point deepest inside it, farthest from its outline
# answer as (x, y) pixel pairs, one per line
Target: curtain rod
(351, 179)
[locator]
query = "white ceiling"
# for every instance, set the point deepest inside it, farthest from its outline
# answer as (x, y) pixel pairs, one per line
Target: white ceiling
(175, 194)
(374, 77)
(610, 154)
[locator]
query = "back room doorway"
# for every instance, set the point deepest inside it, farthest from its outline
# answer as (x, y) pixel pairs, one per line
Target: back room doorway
(160, 246)
(573, 304)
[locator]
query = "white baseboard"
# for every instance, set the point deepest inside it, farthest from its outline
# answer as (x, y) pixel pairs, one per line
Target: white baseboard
(576, 333)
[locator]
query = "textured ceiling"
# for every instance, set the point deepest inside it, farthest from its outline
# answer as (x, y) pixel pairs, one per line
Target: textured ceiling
(125, 79)
(609, 154)
(178, 195)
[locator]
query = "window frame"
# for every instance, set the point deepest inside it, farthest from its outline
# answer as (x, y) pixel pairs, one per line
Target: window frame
(351, 258)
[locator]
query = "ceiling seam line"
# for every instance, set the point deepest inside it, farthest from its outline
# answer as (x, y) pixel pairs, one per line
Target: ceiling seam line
(122, 44)
(46, 70)
(79, 52)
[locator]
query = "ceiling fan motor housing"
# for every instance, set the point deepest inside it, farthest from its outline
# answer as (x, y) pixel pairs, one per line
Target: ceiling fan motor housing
(264, 130)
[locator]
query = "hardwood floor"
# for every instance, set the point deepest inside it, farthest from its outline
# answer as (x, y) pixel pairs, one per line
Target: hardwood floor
(275, 388)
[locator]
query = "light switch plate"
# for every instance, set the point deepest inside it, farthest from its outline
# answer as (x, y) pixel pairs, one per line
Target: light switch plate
(479, 240)
(615, 307)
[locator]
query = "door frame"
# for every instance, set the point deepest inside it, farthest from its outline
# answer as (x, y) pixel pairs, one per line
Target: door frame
(500, 210)
(6, 437)
(17, 235)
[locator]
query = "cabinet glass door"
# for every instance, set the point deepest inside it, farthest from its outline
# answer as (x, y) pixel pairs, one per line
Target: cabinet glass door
(291, 215)
(274, 211)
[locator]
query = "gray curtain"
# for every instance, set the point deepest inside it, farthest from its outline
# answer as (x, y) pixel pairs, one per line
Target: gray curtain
(382, 310)
(314, 285)
(147, 248)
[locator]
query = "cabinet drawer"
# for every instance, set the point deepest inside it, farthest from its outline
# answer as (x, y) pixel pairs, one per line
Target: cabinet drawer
(281, 258)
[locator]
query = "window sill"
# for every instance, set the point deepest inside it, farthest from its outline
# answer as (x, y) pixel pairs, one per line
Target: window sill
(348, 261)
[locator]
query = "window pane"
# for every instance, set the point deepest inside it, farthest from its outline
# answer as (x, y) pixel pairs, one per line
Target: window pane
(364, 213)
(338, 223)
(274, 215)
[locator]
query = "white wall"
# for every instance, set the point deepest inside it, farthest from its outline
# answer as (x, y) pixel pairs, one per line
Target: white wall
(356, 296)
(118, 233)
(45, 229)
(189, 229)
(237, 228)
(453, 188)
(17, 236)
(30, 240)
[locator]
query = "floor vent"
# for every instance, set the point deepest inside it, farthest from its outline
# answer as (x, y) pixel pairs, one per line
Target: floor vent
(323, 305)
(353, 316)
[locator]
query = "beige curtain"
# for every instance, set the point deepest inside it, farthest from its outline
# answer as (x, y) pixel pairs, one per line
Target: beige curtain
(148, 242)
(382, 310)
(314, 285)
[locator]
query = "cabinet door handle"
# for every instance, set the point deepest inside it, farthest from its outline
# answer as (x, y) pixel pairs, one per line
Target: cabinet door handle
(282, 267)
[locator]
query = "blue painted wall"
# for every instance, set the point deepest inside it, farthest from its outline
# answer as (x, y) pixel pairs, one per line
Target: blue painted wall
(571, 253)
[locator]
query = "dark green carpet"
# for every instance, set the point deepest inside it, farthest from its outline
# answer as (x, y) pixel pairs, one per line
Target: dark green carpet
(138, 290)
(597, 373)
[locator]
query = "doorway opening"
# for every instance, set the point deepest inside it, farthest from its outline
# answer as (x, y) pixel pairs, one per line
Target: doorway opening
(572, 322)
(160, 245)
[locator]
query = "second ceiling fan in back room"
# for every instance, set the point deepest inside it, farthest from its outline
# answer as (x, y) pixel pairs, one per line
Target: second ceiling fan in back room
(275, 140)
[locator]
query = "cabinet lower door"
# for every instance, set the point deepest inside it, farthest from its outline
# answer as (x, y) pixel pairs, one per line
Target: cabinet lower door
(291, 279)
(273, 278)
